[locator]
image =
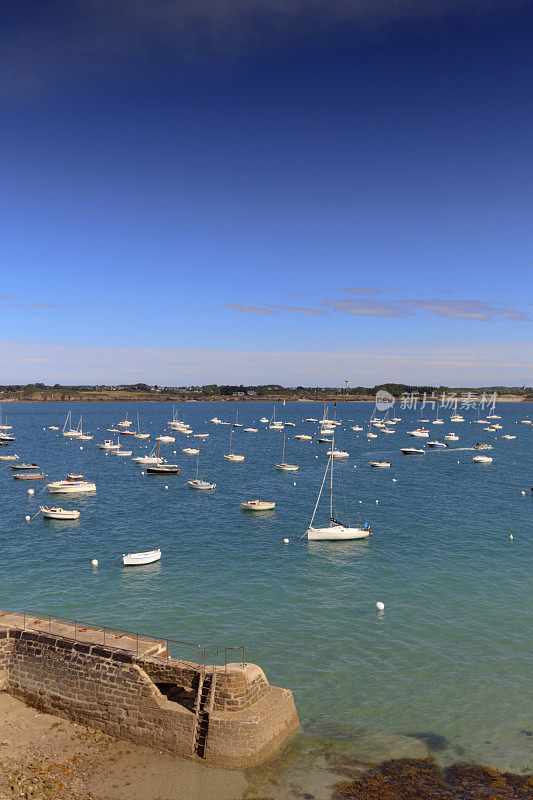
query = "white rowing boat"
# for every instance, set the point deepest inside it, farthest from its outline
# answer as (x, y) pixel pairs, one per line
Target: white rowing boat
(136, 559)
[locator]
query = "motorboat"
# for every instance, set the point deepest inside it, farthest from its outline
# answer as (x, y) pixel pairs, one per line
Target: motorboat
(264, 419)
(125, 423)
(109, 444)
(412, 451)
(24, 466)
(136, 559)
(338, 453)
(14, 457)
(324, 440)
(258, 505)
(191, 451)
(205, 435)
(282, 466)
(290, 424)
(357, 428)
(309, 419)
(53, 428)
(251, 430)
(490, 429)
(71, 487)
(457, 418)
(122, 453)
(165, 439)
(451, 437)
(59, 513)
(217, 421)
(482, 459)
(371, 435)
(303, 437)
(73, 476)
(420, 433)
(85, 437)
(380, 464)
(388, 430)
(437, 444)
(29, 476)
(7, 437)
(507, 436)
(336, 531)
(483, 446)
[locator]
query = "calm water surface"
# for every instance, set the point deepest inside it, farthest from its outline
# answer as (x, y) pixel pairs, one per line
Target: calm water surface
(451, 654)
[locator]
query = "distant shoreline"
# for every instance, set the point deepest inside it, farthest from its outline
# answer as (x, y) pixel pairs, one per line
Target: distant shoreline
(116, 397)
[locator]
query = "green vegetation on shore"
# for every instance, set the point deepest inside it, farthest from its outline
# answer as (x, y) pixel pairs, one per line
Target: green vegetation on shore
(39, 392)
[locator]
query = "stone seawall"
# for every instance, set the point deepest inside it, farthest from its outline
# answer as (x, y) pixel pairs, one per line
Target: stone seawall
(229, 716)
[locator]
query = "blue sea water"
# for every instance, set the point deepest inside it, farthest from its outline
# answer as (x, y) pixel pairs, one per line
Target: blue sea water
(451, 653)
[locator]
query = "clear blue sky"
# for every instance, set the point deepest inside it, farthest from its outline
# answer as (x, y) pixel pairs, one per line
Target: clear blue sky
(339, 179)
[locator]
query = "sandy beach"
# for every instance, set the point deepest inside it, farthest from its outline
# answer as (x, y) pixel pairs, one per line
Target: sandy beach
(44, 757)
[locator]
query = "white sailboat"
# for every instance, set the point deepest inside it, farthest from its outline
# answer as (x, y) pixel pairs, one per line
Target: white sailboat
(150, 458)
(273, 424)
(335, 531)
(139, 434)
(70, 432)
(232, 456)
(282, 466)
(197, 482)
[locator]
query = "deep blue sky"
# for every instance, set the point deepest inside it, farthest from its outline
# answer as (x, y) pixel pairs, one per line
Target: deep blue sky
(289, 181)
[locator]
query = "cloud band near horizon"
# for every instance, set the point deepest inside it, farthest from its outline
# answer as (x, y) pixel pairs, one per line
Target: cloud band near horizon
(437, 363)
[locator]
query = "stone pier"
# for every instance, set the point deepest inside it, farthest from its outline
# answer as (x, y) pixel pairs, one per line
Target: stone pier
(128, 686)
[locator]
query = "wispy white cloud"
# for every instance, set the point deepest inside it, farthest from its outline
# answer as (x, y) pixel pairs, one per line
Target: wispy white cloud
(249, 309)
(368, 308)
(468, 309)
(306, 311)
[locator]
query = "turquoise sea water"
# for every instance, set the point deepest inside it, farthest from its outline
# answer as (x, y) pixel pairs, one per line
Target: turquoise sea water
(452, 652)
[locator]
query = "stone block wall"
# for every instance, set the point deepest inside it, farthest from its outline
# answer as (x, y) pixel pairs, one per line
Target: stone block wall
(115, 691)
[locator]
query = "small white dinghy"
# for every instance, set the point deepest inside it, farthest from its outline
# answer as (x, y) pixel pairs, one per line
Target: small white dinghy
(380, 464)
(338, 453)
(356, 428)
(482, 459)
(251, 430)
(303, 437)
(451, 437)
(168, 439)
(191, 451)
(59, 513)
(258, 505)
(507, 436)
(135, 559)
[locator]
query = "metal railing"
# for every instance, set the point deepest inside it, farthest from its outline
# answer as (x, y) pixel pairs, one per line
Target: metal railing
(110, 635)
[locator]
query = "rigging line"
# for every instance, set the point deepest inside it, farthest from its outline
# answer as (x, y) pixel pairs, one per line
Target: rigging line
(318, 498)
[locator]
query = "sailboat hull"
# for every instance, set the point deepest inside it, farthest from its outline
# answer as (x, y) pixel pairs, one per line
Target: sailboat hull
(336, 533)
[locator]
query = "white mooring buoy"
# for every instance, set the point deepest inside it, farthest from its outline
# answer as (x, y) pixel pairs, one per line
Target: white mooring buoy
(510, 537)
(31, 491)
(27, 517)
(380, 606)
(94, 562)
(166, 487)
(286, 541)
(523, 493)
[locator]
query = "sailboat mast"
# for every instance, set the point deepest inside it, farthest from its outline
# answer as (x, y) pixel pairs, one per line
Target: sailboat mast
(331, 481)
(197, 461)
(283, 454)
